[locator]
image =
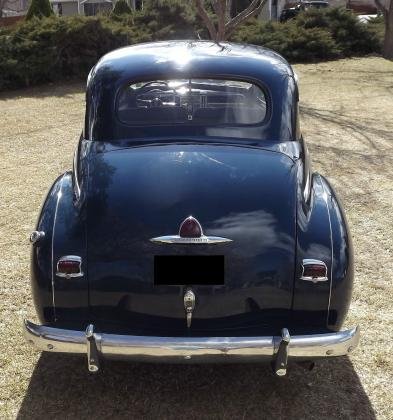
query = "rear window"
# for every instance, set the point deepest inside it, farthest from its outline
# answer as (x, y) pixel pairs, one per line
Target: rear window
(192, 102)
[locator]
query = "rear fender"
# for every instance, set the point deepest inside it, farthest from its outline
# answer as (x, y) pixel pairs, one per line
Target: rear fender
(41, 257)
(311, 300)
(63, 221)
(322, 233)
(343, 267)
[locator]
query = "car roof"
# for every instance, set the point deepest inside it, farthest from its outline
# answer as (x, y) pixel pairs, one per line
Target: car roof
(184, 60)
(187, 57)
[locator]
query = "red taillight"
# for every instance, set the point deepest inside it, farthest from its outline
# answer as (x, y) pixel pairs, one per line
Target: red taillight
(314, 270)
(190, 228)
(69, 266)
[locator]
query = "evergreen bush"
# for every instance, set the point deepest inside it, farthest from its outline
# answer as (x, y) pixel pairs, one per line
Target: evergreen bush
(294, 43)
(314, 35)
(169, 19)
(351, 36)
(54, 48)
(48, 49)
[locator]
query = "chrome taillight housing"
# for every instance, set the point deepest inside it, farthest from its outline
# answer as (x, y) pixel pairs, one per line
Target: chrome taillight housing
(69, 266)
(314, 271)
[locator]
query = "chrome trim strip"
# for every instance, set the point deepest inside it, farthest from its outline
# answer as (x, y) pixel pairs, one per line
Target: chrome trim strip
(77, 189)
(331, 247)
(198, 349)
(59, 194)
(176, 239)
(307, 186)
(314, 279)
(69, 276)
(76, 258)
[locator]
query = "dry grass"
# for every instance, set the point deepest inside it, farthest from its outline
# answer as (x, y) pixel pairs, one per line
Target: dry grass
(347, 119)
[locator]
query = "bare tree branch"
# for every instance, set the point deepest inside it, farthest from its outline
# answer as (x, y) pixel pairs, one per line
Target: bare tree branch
(220, 9)
(225, 24)
(253, 9)
(206, 19)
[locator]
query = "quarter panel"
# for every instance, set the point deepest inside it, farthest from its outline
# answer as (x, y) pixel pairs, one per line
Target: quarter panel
(41, 257)
(311, 300)
(343, 267)
(323, 234)
(69, 238)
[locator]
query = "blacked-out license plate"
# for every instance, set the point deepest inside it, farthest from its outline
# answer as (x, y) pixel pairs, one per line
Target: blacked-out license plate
(188, 269)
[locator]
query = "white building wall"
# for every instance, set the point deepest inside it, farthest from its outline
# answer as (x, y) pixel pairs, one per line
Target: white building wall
(272, 10)
(70, 8)
(15, 7)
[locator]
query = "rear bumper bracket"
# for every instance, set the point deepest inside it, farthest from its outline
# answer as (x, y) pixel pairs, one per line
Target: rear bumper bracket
(93, 361)
(280, 364)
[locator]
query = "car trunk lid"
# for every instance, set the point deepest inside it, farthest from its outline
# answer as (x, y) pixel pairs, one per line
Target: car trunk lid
(244, 194)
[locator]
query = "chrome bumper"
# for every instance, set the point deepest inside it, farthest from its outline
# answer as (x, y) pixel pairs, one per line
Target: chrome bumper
(192, 349)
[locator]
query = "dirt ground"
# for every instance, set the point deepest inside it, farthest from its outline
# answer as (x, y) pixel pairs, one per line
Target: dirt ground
(347, 110)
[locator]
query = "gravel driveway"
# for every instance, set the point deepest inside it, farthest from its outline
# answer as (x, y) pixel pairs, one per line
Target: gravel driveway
(347, 109)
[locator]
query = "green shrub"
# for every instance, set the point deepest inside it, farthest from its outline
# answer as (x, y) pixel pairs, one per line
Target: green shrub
(55, 48)
(377, 26)
(351, 36)
(121, 8)
(48, 49)
(294, 43)
(313, 35)
(168, 19)
(39, 9)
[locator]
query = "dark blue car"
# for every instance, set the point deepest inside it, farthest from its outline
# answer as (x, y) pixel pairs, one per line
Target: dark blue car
(191, 228)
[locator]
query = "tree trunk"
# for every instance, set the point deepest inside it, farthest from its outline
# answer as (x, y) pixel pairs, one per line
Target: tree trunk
(388, 42)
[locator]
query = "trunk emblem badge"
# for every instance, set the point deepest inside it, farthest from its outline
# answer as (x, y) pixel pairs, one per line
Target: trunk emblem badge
(189, 305)
(190, 232)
